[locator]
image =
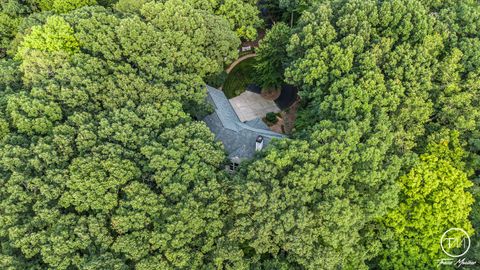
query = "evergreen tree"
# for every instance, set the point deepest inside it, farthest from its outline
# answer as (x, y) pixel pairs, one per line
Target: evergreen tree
(272, 58)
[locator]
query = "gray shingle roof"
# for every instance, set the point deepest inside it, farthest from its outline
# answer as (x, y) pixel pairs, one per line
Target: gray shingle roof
(237, 137)
(257, 123)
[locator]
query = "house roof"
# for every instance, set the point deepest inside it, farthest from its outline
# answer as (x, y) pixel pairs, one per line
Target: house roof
(237, 137)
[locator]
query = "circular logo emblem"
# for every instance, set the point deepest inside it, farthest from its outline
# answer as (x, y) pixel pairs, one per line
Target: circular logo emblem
(455, 238)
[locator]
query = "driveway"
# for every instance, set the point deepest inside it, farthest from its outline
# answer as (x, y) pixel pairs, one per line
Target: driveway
(249, 106)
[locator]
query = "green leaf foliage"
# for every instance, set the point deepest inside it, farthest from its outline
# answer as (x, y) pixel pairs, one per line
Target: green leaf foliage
(433, 199)
(55, 36)
(12, 13)
(101, 164)
(272, 58)
(376, 78)
(242, 15)
(63, 6)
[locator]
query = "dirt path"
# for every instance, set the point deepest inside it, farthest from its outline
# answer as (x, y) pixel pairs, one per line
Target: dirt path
(232, 65)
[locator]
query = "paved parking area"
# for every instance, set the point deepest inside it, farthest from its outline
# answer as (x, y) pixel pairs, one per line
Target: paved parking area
(249, 106)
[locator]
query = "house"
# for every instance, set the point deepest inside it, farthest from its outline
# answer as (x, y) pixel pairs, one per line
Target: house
(240, 139)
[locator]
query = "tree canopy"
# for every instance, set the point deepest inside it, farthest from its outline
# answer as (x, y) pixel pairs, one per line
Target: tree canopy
(377, 79)
(433, 199)
(102, 164)
(242, 15)
(105, 164)
(272, 58)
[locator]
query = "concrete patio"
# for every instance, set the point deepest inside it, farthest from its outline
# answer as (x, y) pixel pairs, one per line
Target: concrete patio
(249, 106)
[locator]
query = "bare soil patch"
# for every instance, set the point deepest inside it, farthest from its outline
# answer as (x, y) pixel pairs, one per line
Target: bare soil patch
(286, 120)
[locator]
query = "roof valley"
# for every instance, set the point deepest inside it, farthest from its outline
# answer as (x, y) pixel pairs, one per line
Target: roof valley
(237, 137)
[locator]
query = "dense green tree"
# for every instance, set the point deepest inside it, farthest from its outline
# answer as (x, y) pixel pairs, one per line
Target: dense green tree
(457, 89)
(475, 218)
(456, 86)
(306, 204)
(242, 15)
(56, 35)
(10, 81)
(433, 199)
(17, 17)
(207, 32)
(129, 6)
(368, 75)
(287, 11)
(12, 13)
(102, 165)
(63, 6)
(272, 58)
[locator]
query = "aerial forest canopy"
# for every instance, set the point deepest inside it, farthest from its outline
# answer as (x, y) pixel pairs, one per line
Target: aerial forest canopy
(104, 163)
